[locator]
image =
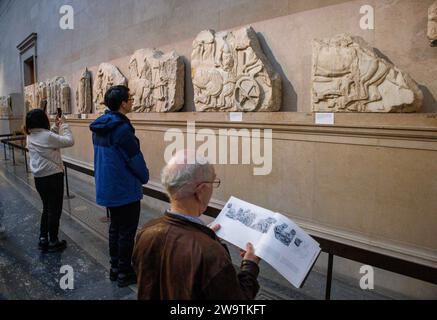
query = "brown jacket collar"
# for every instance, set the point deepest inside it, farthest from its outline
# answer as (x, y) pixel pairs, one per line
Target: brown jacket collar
(176, 220)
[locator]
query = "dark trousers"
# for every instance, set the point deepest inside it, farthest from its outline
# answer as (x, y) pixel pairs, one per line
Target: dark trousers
(124, 224)
(51, 191)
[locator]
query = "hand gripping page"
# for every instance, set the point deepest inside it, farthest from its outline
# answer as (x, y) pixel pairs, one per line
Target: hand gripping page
(276, 239)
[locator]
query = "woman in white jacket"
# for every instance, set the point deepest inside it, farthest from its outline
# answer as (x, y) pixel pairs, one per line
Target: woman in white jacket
(46, 165)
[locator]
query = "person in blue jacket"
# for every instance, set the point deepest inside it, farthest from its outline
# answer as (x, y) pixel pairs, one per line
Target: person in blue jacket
(120, 171)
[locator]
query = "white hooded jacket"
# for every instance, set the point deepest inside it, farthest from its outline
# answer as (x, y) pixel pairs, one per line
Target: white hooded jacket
(44, 149)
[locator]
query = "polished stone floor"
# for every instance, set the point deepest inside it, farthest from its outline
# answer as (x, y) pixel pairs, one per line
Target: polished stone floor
(25, 273)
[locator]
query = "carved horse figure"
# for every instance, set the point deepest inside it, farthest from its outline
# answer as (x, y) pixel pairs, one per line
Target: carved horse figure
(350, 75)
(208, 84)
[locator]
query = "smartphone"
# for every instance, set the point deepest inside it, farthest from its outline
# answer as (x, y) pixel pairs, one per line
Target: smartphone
(59, 112)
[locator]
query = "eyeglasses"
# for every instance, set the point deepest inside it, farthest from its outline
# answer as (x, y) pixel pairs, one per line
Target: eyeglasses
(215, 183)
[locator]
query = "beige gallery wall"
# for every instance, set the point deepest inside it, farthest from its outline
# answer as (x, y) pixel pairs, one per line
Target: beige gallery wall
(368, 181)
(369, 185)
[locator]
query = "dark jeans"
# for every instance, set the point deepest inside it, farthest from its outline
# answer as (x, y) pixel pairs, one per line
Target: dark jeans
(51, 191)
(124, 224)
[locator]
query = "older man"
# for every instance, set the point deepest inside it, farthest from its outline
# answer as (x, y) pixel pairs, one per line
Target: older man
(177, 256)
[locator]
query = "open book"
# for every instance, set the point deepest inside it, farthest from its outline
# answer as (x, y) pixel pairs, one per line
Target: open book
(277, 239)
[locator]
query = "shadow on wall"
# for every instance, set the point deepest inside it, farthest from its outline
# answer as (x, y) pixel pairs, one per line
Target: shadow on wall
(429, 102)
(188, 90)
(289, 95)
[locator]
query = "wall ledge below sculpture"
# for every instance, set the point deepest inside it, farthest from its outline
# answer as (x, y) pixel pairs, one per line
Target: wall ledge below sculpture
(383, 129)
(413, 133)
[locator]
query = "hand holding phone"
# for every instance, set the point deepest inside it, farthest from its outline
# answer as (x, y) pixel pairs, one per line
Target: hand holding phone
(59, 117)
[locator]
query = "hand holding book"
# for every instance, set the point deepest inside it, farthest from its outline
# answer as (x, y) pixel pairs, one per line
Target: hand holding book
(274, 237)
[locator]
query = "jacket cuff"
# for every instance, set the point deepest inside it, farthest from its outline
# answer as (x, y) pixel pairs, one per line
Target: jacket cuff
(250, 267)
(54, 128)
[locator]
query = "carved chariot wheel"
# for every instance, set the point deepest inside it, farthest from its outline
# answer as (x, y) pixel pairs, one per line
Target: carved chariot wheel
(247, 94)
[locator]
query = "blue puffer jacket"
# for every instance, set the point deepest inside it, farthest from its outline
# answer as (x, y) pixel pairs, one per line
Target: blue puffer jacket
(119, 166)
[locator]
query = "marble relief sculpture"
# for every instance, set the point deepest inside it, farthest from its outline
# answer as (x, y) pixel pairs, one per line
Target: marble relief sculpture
(84, 102)
(5, 107)
(348, 76)
(41, 95)
(156, 81)
(230, 72)
(432, 24)
(30, 97)
(58, 95)
(108, 75)
(53, 94)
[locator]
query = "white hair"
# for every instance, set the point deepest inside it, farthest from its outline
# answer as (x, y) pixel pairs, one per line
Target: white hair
(184, 171)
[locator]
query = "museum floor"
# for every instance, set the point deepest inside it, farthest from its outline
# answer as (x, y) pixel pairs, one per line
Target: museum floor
(25, 273)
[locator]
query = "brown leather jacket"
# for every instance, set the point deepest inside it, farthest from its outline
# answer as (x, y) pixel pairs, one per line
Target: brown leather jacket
(178, 259)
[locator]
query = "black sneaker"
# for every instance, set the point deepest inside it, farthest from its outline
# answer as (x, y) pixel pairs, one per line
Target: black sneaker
(113, 274)
(57, 246)
(125, 280)
(43, 244)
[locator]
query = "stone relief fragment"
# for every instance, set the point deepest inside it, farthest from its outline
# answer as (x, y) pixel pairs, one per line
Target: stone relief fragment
(156, 81)
(108, 75)
(230, 72)
(432, 24)
(41, 95)
(30, 97)
(5, 107)
(84, 102)
(348, 76)
(53, 94)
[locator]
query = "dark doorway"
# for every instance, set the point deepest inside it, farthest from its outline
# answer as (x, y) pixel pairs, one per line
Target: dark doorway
(29, 71)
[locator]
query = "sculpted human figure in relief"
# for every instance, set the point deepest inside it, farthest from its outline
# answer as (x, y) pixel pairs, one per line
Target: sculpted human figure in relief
(230, 72)
(108, 75)
(84, 101)
(53, 94)
(432, 24)
(5, 106)
(30, 97)
(156, 81)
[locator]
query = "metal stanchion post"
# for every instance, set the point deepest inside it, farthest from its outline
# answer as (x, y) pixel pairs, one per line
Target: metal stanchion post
(25, 161)
(329, 277)
(107, 218)
(68, 196)
(13, 155)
